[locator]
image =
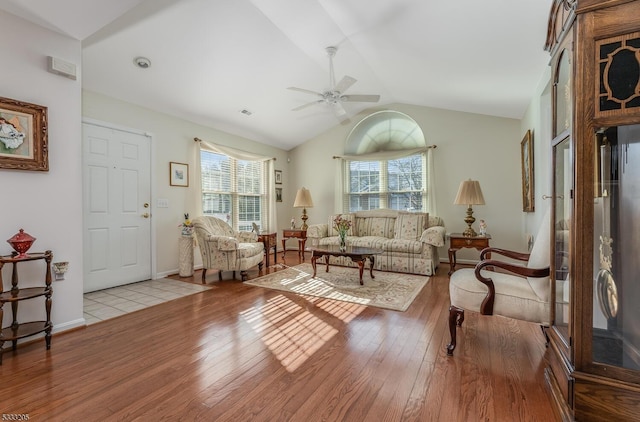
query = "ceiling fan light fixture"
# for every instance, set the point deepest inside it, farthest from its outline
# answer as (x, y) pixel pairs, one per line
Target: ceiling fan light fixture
(335, 95)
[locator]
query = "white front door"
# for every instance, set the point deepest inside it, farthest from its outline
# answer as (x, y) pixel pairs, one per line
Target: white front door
(117, 210)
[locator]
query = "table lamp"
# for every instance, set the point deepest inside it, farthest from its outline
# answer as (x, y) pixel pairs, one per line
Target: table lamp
(304, 201)
(469, 193)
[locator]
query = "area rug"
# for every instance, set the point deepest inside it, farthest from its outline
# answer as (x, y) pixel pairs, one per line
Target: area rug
(387, 290)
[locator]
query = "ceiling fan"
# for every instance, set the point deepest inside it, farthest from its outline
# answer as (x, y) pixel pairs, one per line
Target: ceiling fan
(335, 96)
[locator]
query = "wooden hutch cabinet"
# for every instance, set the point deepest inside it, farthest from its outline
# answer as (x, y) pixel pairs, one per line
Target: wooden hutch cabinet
(593, 358)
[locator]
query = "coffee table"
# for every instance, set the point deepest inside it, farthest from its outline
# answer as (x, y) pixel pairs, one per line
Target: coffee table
(355, 253)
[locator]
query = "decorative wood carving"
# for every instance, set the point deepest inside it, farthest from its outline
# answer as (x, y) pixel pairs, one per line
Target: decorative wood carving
(560, 18)
(618, 70)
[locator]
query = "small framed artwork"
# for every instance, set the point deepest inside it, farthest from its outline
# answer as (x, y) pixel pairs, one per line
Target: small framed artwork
(278, 194)
(526, 156)
(23, 136)
(178, 174)
(278, 177)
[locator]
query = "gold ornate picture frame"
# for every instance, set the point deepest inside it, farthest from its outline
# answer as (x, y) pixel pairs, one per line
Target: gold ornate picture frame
(23, 136)
(526, 157)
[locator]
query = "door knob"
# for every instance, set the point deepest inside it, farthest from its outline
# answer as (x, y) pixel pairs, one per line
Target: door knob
(145, 215)
(146, 205)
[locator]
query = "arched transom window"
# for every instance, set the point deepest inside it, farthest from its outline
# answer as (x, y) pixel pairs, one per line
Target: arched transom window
(385, 164)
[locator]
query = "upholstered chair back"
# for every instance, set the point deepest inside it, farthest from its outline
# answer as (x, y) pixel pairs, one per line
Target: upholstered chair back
(540, 258)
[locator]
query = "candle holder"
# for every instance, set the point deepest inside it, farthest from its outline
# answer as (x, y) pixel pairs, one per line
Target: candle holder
(59, 269)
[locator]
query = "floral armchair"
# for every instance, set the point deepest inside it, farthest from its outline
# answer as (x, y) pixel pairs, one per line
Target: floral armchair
(225, 250)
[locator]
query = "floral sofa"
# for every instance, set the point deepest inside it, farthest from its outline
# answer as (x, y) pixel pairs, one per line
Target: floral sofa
(410, 240)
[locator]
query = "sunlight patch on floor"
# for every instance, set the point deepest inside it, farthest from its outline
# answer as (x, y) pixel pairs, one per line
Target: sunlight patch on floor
(342, 310)
(290, 332)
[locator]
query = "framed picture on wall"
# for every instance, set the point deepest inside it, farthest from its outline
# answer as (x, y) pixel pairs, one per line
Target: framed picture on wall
(278, 194)
(278, 177)
(23, 136)
(178, 174)
(526, 156)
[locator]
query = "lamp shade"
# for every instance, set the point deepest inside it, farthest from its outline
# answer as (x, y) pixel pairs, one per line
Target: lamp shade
(469, 193)
(303, 199)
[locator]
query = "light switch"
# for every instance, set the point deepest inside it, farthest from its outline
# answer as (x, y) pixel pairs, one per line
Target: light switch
(162, 203)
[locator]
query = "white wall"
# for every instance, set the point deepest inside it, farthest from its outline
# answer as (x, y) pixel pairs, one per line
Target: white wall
(48, 205)
(172, 140)
(468, 146)
(537, 118)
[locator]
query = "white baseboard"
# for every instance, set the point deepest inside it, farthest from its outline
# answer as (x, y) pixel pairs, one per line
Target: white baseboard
(80, 322)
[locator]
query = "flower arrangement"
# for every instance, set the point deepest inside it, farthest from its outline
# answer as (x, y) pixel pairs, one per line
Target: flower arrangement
(342, 226)
(187, 225)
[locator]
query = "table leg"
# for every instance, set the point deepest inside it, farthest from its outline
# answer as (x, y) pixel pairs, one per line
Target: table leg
(361, 269)
(284, 247)
(372, 261)
(452, 260)
(275, 253)
(314, 257)
(266, 255)
(301, 246)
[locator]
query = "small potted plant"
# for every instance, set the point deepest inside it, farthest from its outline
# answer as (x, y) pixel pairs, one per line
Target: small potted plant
(187, 226)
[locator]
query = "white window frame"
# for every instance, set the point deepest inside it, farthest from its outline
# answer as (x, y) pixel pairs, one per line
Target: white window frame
(236, 194)
(384, 193)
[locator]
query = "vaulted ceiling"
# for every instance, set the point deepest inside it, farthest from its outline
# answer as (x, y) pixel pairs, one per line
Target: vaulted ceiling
(212, 59)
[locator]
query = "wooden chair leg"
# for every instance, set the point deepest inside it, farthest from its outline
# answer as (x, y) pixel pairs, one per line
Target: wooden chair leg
(456, 318)
(204, 275)
(546, 336)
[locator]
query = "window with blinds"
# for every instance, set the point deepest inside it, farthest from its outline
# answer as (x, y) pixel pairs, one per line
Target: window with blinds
(234, 190)
(397, 184)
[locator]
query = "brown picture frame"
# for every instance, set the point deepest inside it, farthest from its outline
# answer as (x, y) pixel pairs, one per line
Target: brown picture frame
(23, 136)
(526, 158)
(178, 174)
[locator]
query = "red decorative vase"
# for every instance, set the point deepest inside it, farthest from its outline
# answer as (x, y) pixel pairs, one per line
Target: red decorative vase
(21, 242)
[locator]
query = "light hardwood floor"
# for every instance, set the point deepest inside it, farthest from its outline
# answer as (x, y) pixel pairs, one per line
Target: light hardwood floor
(242, 353)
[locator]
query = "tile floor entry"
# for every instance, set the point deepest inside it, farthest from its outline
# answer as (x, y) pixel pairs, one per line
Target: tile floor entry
(115, 301)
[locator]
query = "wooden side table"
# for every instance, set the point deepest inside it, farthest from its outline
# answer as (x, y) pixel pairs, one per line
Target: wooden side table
(299, 234)
(270, 240)
(459, 241)
(19, 330)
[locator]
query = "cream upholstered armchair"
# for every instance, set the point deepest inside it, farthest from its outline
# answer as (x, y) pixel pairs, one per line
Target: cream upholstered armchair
(518, 291)
(225, 250)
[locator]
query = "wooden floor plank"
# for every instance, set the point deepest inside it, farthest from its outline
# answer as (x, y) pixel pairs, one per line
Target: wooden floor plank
(238, 352)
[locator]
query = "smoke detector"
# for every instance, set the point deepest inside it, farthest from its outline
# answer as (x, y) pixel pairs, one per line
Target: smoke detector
(142, 62)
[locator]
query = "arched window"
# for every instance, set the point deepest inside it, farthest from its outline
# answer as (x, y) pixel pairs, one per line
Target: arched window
(386, 165)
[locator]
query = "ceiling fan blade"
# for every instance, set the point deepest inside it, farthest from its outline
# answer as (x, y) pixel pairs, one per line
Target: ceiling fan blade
(344, 84)
(307, 105)
(361, 98)
(339, 111)
(307, 91)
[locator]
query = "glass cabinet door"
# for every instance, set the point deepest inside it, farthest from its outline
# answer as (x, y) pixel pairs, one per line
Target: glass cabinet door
(616, 237)
(562, 193)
